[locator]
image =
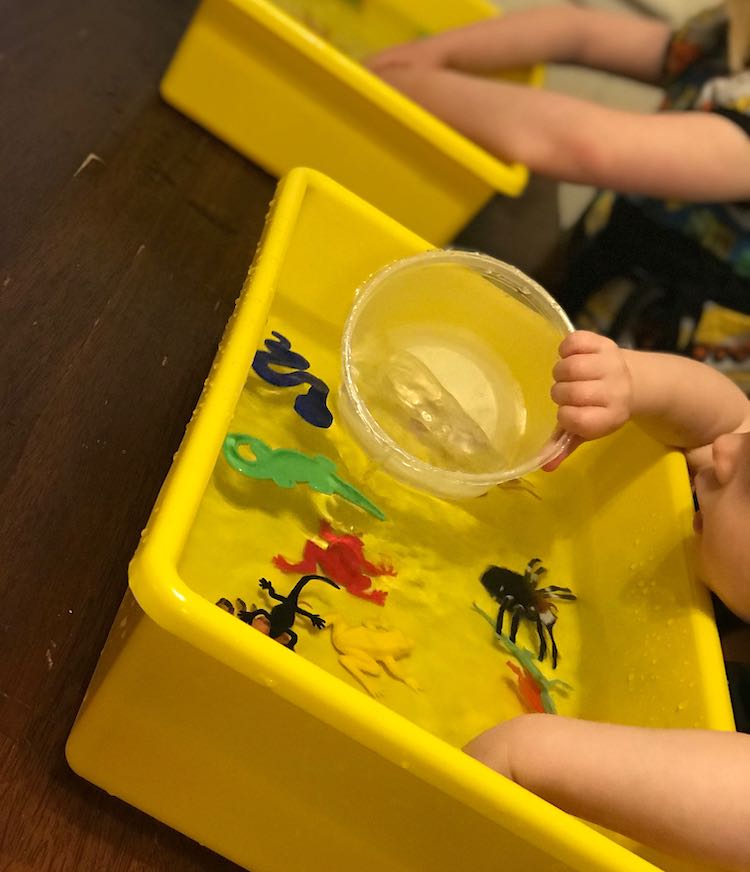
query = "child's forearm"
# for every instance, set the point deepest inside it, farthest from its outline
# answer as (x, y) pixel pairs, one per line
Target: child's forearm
(518, 39)
(575, 140)
(683, 402)
(551, 133)
(681, 791)
(631, 45)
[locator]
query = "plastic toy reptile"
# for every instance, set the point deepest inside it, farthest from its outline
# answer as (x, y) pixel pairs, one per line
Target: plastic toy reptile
(288, 467)
(530, 669)
(279, 621)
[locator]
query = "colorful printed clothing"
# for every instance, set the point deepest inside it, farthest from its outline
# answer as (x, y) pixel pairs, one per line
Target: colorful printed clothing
(683, 268)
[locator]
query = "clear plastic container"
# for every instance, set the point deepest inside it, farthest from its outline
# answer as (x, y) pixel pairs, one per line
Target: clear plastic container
(447, 361)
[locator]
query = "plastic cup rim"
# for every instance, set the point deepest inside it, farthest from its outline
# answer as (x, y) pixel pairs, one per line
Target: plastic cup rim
(364, 293)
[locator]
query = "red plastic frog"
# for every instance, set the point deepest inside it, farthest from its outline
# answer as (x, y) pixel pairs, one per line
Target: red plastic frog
(343, 560)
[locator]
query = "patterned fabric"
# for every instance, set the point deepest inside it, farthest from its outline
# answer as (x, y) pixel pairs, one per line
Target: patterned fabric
(696, 77)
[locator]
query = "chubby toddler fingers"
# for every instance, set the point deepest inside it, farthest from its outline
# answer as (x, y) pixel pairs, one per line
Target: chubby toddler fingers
(580, 367)
(573, 443)
(584, 342)
(580, 393)
(590, 422)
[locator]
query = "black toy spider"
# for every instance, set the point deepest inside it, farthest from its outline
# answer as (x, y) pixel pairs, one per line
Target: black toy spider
(519, 595)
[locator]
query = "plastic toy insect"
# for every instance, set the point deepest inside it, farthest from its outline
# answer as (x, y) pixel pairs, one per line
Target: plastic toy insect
(343, 559)
(279, 621)
(519, 595)
(310, 406)
(287, 467)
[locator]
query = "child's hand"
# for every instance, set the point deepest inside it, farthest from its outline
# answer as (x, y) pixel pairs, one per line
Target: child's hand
(420, 53)
(593, 389)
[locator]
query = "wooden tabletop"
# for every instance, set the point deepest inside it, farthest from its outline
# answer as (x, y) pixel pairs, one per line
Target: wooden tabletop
(126, 235)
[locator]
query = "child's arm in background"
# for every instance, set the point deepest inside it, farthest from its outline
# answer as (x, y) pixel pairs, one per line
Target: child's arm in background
(692, 156)
(630, 45)
(681, 402)
(559, 136)
(682, 791)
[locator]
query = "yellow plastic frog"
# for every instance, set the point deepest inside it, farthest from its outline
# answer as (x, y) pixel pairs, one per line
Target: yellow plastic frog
(363, 648)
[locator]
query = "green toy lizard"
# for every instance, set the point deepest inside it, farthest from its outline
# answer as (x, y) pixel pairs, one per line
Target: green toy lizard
(288, 467)
(526, 659)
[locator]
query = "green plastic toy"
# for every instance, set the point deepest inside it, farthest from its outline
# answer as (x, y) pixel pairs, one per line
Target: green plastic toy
(526, 659)
(288, 467)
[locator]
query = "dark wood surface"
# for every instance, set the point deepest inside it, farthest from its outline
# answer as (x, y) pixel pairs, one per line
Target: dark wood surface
(125, 236)
(116, 282)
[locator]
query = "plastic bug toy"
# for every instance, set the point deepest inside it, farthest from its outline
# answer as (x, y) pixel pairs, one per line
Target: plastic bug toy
(519, 595)
(279, 621)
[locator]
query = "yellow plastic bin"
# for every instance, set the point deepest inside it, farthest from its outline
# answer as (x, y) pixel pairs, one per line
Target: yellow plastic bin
(278, 763)
(261, 77)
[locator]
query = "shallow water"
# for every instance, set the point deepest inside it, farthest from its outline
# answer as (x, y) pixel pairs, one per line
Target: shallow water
(438, 549)
(446, 401)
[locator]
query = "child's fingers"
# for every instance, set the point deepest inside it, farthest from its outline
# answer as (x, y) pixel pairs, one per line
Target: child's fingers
(573, 443)
(378, 65)
(408, 54)
(590, 422)
(382, 60)
(579, 367)
(580, 393)
(583, 342)
(403, 77)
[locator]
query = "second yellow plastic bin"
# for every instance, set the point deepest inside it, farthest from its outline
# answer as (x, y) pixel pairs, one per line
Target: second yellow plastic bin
(282, 84)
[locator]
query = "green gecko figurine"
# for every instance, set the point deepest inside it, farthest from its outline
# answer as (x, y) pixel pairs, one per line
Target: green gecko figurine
(526, 659)
(287, 467)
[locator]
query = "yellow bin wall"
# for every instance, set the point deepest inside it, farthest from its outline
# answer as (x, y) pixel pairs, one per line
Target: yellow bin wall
(267, 85)
(273, 762)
